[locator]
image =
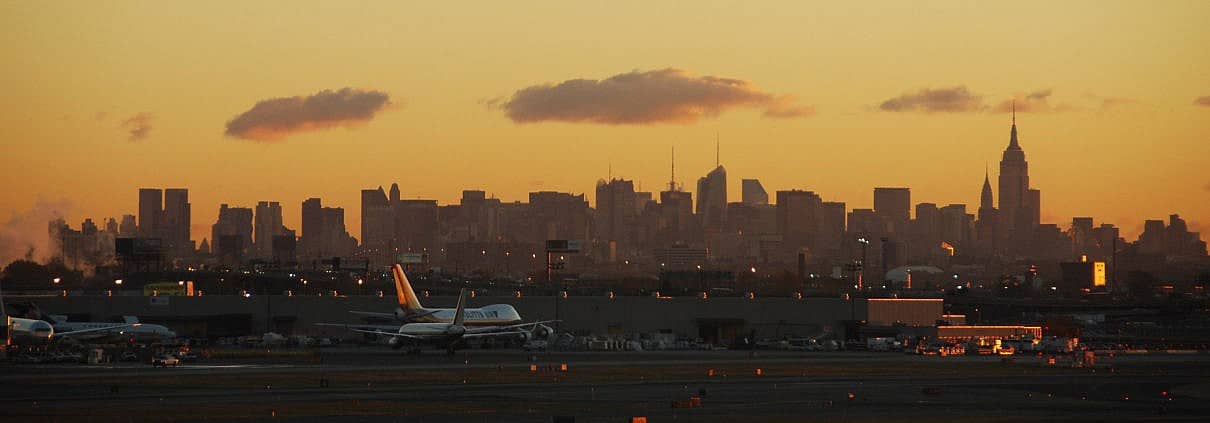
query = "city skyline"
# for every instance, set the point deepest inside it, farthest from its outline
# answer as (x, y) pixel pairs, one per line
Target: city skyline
(1106, 136)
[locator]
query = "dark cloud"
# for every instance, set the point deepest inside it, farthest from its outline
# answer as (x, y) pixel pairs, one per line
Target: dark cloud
(1202, 101)
(277, 118)
(935, 100)
(638, 98)
(139, 126)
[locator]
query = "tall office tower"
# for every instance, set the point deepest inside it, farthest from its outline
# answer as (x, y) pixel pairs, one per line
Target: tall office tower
(956, 225)
(1083, 243)
(111, 226)
(377, 226)
(394, 193)
(479, 216)
(1015, 196)
(1108, 239)
(151, 211)
(1179, 242)
(177, 221)
(558, 215)
(712, 198)
(676, 225)
(231, 234)
(268, 225)
(894, 205)
(797, 220)
(616, 218)
(312, 228)
(128, 228)
(927, 224)
(416, 225)
(753, 193)
(829, 237)
(1151, 241)
(987, 227)
(1033, 207)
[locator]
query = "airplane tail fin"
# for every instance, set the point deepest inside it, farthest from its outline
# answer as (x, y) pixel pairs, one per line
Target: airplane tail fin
(460, 311)
(403, 291)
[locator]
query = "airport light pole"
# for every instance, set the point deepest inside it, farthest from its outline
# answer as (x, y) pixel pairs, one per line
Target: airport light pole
(861, 275)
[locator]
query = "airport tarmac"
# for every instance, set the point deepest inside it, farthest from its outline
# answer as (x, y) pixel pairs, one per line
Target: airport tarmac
(373, 384)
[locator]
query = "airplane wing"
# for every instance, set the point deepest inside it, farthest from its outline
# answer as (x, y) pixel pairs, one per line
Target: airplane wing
(381, 333)
(374, 314)
(384, 328)
(95, 330)
(391, 316)
(509, 328)
(487, 334)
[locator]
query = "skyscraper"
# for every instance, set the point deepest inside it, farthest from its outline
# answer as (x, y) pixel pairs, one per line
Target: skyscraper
(894, 205)
(377, 225)
(268, 225)
(312, 227)
(753, 193)
(231, 235)
(617, 217)
(987, 227)
(1015, 196)
(176, 221)
(712, 198)
(151, 206)
(128, 228)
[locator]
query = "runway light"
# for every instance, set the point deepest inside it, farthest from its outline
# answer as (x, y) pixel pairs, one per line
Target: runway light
(117, 282)
(56, 280)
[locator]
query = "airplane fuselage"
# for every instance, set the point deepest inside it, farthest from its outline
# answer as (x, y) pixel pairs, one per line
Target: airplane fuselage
(142, 332)
(30, 331)
(491, 315)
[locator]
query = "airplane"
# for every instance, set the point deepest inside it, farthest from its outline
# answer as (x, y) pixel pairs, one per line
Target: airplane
(411, 311)
(21, 330)
(143, 332)
(443, 335)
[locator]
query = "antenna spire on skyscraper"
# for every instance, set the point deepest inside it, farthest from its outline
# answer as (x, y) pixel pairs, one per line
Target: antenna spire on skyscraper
(672, 182)
(716, 149)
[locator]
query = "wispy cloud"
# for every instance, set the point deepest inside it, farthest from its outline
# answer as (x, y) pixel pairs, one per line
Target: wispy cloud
(276, 118)
(1109, 103)
(956, 99)
(1202, 101)
(138, 126)
(1033, 102)
(640, 98)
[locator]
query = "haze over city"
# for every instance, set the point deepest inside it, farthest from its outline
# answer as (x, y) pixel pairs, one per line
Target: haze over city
(106, 98)
(551, 211)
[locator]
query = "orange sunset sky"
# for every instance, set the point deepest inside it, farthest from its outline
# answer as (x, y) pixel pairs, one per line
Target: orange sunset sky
(102, 98)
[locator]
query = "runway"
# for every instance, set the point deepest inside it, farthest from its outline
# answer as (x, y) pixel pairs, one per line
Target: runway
(499, 386)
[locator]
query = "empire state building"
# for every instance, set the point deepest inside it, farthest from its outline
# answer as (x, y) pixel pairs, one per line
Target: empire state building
(1020, 206)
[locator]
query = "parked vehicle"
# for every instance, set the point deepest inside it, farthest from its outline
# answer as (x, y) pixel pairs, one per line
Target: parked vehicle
(165, 360)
